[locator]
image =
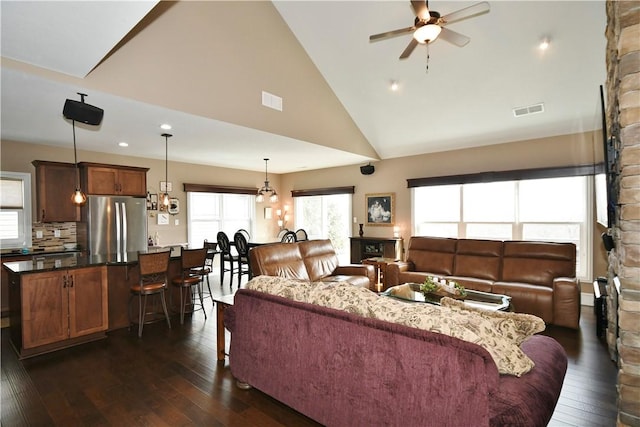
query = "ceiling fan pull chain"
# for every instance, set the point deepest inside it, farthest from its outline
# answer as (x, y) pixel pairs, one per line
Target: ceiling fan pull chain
(427, 67)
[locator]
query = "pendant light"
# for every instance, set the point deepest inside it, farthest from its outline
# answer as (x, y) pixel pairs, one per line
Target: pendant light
(165, 196)
(78, 197)
(266, 189)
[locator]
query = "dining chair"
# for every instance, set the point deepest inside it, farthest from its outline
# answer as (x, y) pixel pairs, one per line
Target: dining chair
(242, 246)
(281, 233)
(301, 235)
(191, 262)
(226, 256)
(289, 237)
(245, 233)
(153, 281)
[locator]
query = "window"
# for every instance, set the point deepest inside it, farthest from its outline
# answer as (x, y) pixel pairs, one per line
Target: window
(550, 209)
(209, 213)
(326, 217)
(15, 209)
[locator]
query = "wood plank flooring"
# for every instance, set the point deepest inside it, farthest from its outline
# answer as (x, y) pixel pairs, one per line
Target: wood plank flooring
(171, 378)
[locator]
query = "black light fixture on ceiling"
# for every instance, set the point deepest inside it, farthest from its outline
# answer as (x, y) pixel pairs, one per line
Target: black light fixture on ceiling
(165, 196)
(85, 113)
(266, 189)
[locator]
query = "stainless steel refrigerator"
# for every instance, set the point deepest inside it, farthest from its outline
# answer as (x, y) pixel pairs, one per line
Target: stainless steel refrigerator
(116, 225)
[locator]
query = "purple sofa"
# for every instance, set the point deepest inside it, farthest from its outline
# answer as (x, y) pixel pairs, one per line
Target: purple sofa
(341, 369)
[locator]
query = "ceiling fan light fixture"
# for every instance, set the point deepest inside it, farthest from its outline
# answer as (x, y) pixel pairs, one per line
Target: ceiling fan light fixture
(427, 33)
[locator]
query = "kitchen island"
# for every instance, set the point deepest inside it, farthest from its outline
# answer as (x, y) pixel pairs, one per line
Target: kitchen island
(60, 300)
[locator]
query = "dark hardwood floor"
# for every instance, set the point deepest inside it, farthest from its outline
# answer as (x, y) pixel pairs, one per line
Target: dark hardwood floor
(172, 378)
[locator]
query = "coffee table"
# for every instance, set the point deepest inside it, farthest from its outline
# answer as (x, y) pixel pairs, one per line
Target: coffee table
(488, 301)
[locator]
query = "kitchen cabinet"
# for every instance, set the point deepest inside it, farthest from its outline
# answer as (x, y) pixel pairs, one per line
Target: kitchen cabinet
(374, 247)
(55, 183)
(113, 180)
(4, 280)
(58, 308)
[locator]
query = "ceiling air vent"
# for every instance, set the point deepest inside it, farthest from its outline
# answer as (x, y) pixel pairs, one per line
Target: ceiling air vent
(531, 109)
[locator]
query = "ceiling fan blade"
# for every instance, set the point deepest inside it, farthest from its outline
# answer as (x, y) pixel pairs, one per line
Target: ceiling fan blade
(454, 37)
(467, 12)
(407, 51)
(393, 33)
(421, 10)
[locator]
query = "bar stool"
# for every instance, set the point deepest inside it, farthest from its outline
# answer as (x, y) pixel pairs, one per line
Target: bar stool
(153, 281)
(191, 260)
(207, 268)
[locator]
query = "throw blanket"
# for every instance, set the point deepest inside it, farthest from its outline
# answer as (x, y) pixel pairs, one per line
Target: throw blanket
(500, 333)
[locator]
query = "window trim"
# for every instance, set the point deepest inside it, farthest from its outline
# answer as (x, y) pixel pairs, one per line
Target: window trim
(26, 211)
(511, 175)
(211, 188)
(329, 191)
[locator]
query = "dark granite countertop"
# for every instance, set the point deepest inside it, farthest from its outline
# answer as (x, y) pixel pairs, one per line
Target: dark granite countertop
(74, 259)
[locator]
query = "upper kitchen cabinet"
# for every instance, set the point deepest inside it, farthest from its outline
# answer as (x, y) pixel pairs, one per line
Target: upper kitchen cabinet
(112, 180)
(55, 183)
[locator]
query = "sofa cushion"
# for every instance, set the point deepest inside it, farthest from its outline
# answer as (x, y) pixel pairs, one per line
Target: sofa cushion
(278, 259)
(478, 258)
(319, 257)
(432, 254)
(527, 298)
(537, 263)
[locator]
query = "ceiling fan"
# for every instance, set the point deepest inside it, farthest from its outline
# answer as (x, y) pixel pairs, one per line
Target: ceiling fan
(428, 25)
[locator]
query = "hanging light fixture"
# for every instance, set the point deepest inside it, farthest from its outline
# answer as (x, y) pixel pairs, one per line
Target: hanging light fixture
(78, 197)
(165, 196)
(266, 189)
(88, 114)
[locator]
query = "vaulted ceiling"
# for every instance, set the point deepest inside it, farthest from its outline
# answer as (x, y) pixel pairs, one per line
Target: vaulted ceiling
(203, 68)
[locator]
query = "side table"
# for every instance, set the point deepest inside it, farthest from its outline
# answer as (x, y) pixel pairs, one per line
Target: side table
(222, 302)
(381, 267)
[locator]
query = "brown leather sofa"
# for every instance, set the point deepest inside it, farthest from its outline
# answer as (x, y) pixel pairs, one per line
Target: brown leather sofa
(539, 277)
(313, 260)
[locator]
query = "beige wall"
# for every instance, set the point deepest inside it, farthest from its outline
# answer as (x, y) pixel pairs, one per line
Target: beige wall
(390, 176)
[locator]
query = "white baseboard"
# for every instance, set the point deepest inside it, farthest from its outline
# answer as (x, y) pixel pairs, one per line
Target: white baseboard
(586, 298)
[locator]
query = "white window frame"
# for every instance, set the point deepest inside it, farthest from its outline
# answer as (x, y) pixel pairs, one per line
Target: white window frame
(24, 233)
(344, 255)
(220, 217)
(584, 247)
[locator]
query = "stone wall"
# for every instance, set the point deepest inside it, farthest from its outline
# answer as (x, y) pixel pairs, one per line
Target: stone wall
(623, 123)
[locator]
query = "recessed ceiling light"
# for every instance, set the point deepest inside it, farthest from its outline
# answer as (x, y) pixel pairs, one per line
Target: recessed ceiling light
(394, 85)
(123, 144)
(165, 126)
(544, 44)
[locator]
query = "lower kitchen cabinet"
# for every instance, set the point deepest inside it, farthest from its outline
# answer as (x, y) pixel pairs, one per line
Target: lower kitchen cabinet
(58, 308)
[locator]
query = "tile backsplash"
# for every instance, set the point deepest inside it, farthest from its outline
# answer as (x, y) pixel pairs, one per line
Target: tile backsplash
(49, 241)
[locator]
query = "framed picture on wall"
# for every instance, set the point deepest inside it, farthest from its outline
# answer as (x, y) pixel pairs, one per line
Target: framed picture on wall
(152, 202)
(381, 209)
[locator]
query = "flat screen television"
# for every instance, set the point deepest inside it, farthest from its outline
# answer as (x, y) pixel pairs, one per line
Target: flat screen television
(605, 179)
